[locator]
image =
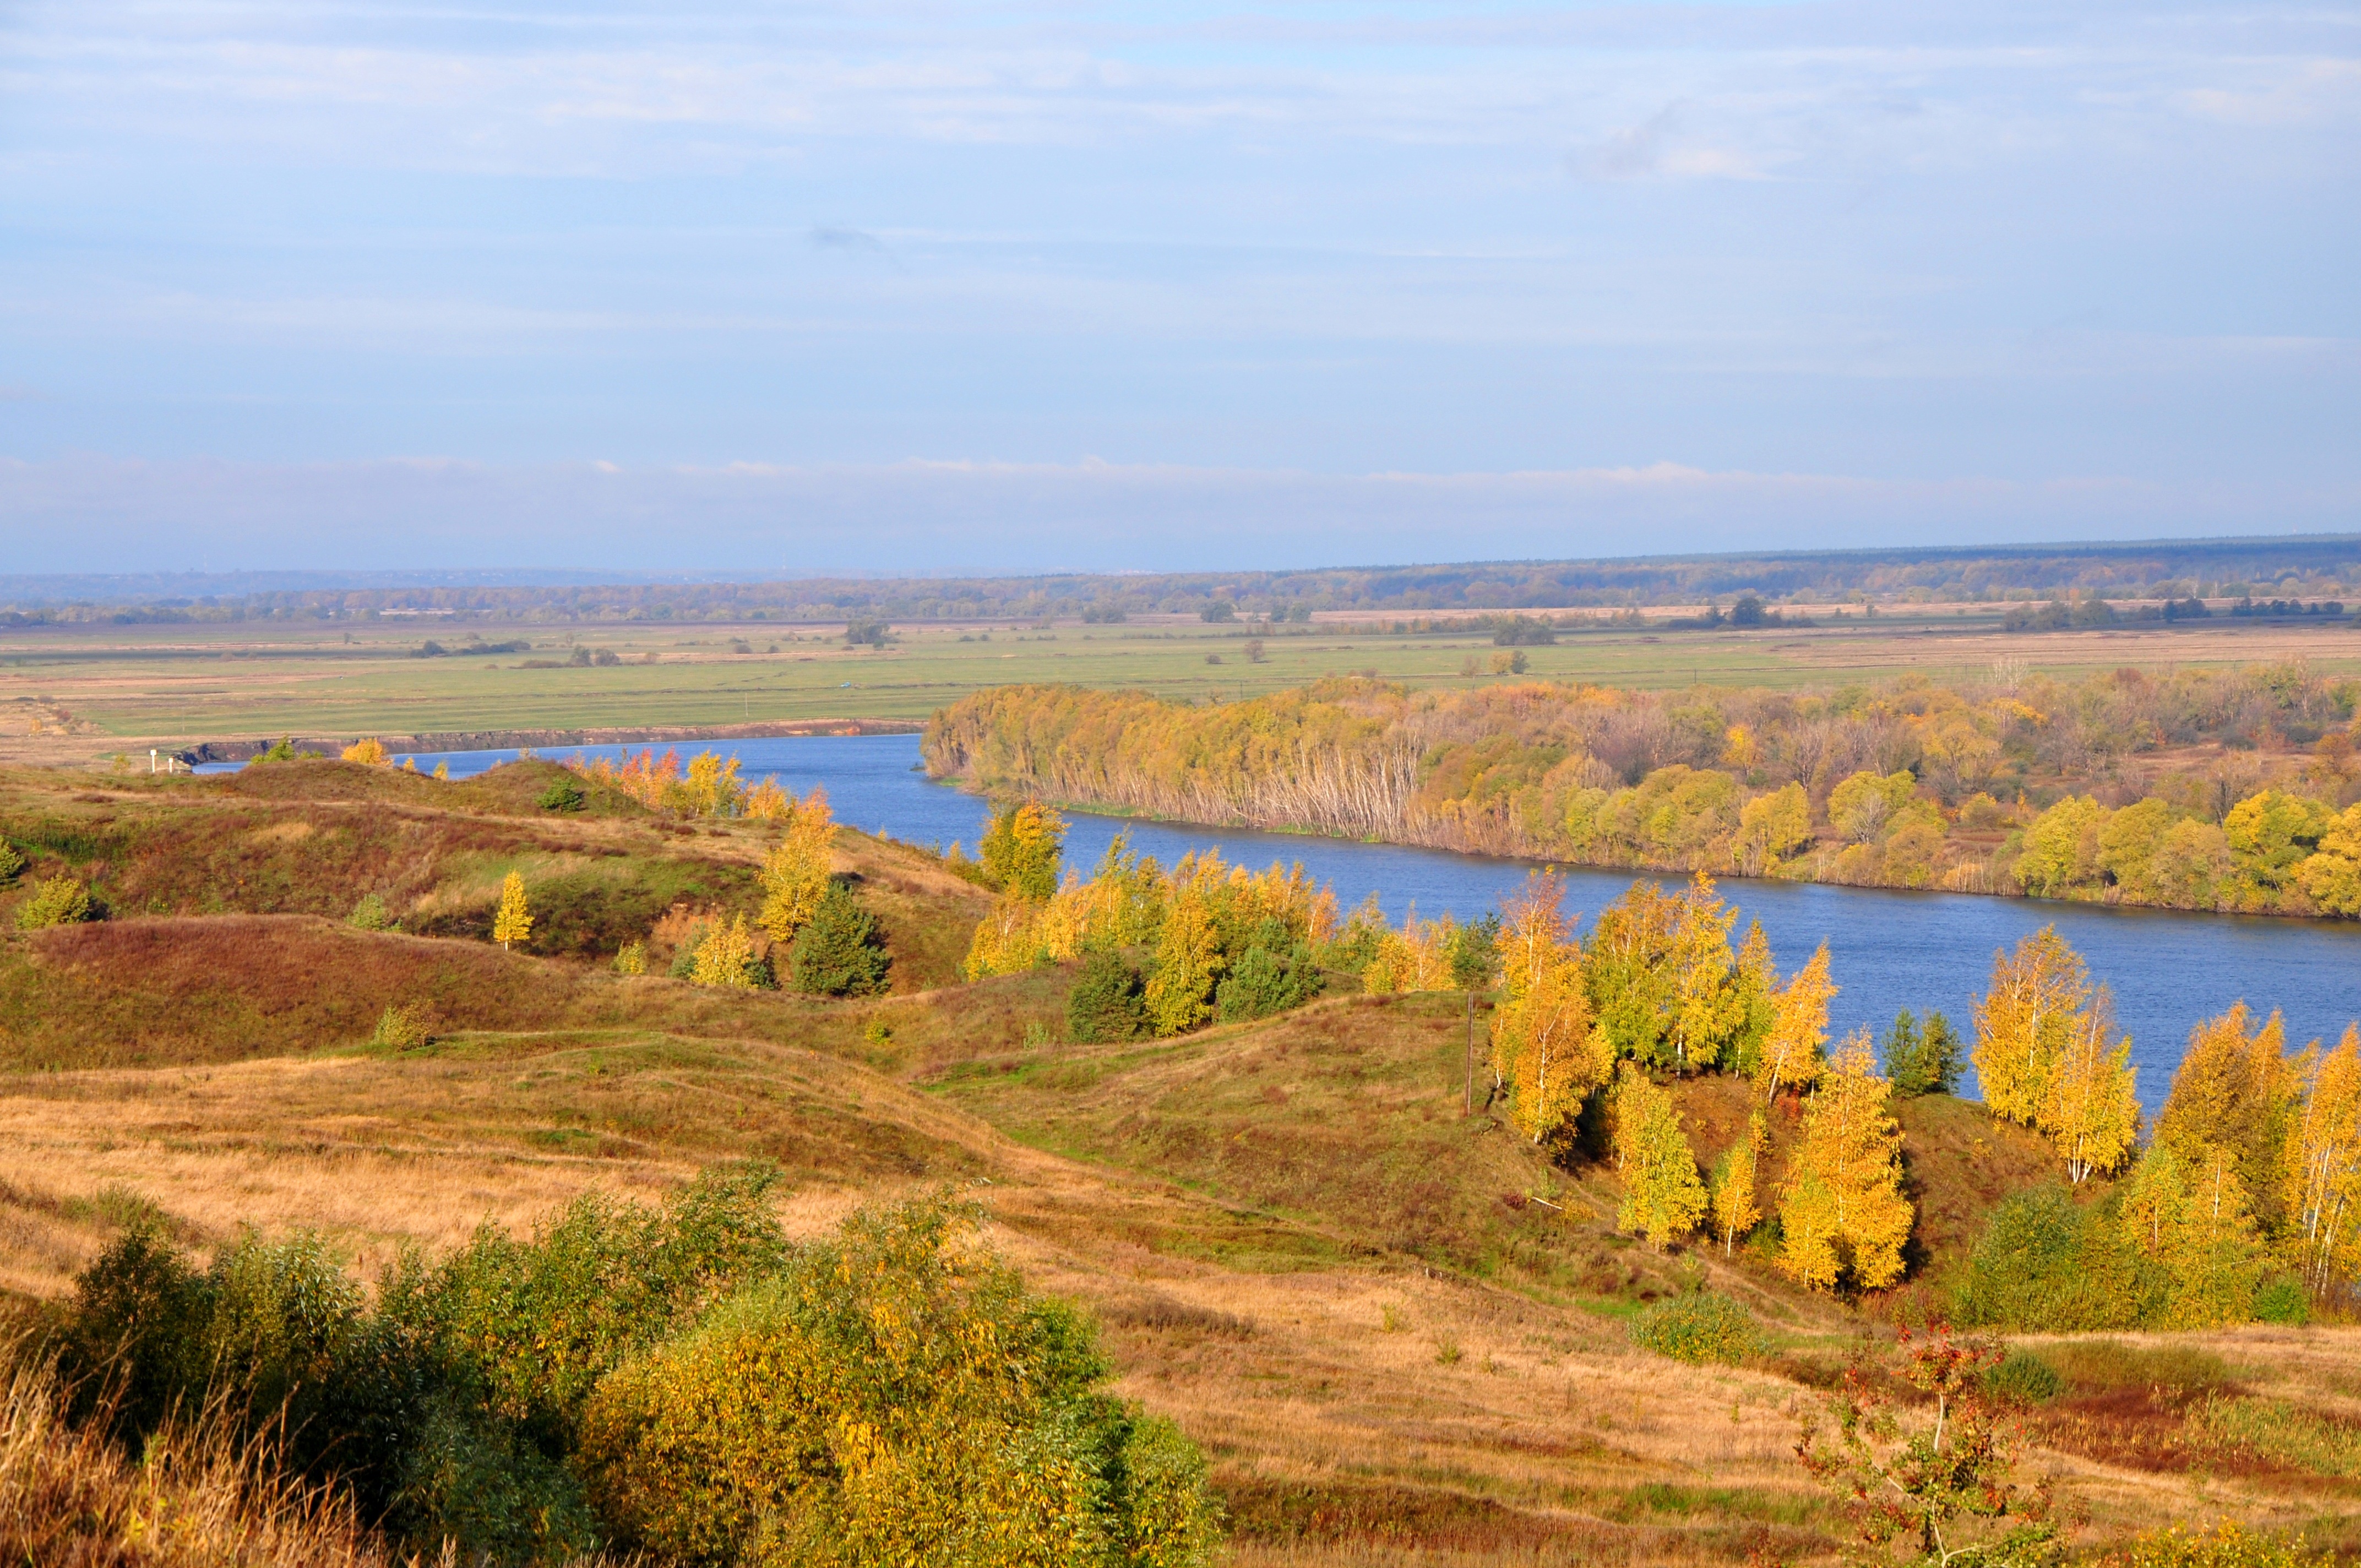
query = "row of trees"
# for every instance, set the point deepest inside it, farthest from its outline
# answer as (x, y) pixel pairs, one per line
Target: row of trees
(1911, 783)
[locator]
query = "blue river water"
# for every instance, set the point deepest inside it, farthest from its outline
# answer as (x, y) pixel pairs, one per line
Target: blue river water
(1888, 951)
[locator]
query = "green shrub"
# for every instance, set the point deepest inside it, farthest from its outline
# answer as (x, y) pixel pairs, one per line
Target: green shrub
(1106, 1004)
(1272, 975)
(2281, 1299)
(838, 952)
(543, 1320)
(633, 959)
(1703, 1326)
(57, 901)
(403, 1030)
(2023, 1379)
(563, 794)
(2045, 1264)
(370, 915)
(11, 862)
(889, 1398)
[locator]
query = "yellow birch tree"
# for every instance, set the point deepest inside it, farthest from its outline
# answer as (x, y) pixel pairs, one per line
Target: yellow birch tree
(1734, 1210)
(723, 956)
(1791, 1051)
(2323, 1168)
(2024, 1022)
(513, 922)
(794, 873)
(1842, 1213)
(1188, 961)
(1662, 1198)
(2089, 1108)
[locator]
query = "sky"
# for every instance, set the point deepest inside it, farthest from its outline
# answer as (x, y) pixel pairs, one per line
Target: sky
(929, 285)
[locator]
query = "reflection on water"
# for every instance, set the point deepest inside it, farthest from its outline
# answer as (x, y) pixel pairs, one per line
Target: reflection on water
(1889, 950)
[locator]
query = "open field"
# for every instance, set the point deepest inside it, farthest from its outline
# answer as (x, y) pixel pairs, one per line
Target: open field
(1397, 1328)
(128, 689)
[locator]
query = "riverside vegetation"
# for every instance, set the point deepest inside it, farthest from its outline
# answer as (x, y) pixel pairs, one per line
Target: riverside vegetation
(2236, 790)
(1036, 1219)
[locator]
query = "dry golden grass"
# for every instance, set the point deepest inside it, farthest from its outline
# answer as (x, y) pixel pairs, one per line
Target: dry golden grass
(70, 1497)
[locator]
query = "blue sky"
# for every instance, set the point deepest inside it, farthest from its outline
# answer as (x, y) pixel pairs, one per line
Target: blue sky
(910, 286)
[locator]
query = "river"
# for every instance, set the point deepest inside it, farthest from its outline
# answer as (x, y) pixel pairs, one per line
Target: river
(1888, 950)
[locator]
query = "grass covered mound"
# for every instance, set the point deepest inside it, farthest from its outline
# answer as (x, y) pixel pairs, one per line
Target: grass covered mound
(683, 1382)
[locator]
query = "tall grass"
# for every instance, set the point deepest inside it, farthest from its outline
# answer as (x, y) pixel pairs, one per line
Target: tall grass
(203, 1494)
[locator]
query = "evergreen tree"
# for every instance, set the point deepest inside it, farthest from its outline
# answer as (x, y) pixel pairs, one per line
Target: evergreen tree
(1940, 1056)
(839, 952)
(1106, 1004)
(1662, 1198)
(1843, 1215)
(1272, 975)
(513, 922)
(1900, 1056)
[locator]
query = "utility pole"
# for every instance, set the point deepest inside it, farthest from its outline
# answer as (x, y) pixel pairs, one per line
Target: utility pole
(1467, 1106)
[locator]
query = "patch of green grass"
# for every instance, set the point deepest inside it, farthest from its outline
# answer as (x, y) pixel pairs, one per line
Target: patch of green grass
(2284, 1433)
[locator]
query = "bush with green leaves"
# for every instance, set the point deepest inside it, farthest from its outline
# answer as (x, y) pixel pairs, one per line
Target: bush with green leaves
(402, 1028)
(1702, 1326)
(1106, 1002)
(561, 796)
(2023, 1379)
(55, 901)
(839, 952)
(893, 1396)
(682, 1380)
(370, 915)
(1273, 974)
(2281, 1299)
(11, 862)
(2047, 1264)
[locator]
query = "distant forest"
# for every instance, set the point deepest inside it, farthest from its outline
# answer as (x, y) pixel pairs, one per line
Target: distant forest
(2313, 566)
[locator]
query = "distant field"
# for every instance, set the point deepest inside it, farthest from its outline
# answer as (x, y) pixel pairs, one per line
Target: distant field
(173, 684)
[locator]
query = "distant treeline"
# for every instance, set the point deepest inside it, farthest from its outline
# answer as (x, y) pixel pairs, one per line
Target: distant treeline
(2303, 569)
(2202, 789)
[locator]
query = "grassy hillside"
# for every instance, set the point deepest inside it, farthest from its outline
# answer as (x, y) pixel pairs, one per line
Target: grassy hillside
(1396, 1328)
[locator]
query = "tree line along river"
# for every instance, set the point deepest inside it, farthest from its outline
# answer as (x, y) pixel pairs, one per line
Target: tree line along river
(1888, 950)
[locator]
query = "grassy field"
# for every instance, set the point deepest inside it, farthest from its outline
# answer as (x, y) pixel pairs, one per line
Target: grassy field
(132, 687)
(1397, 1328)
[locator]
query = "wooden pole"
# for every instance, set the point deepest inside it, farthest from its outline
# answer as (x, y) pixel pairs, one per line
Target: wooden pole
(1467, 1105)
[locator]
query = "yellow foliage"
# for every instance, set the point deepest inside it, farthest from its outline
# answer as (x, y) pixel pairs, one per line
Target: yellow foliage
(1734, 1210)
(1791, 1051)
(1543, 1048)
(1662, 1198)
(370, 751)
(794, 873)
(723, 957)
(513, 922)
(1843, 1214)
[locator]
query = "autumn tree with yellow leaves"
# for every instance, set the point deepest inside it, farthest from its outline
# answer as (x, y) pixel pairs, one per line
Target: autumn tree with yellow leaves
(1790, 1053)
(1733, 1189)
(513, 921)
(2047, 1055)
(1843, 1215)
(1662, 1199)
(1544, 1050)
(794, 873)
(2324, 1169)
